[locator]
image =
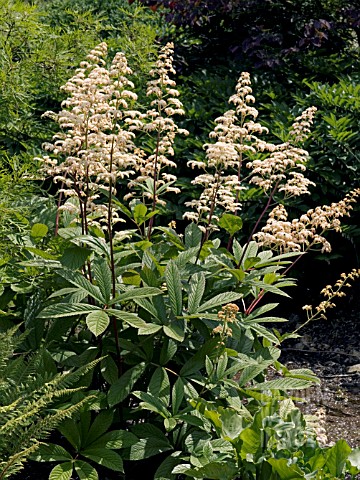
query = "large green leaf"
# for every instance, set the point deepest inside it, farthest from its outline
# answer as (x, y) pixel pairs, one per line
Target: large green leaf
(221, 299)
(231, 223)
(67, 310)
(232, 424)
(135, 293)
(264, 332)
(164, 470)
(154, 404)
(83, 283)
(168, 350)
(96, 244)
(63, 471)
(116, 439)
(253, 371)
(177, 395)
(38, 231)
(139, 213)
(148, 306)
(103, 278)
(285, 471)
(193, 236)
(122, 388)
(159, 385)
(283, 384)
(105, 457)
(85, 471)
(74, 257)
(172, 276)
(69, 429)
(100, 425)
(152, 443)
(196, 292)
(336, 457)
(109, 370)
(97, 322)
(50, 452)
(186, 257)
(175, 330)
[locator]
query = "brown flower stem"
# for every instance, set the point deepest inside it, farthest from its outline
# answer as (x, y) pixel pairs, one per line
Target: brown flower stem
(254, 302)
(237, 197)
(211, 213)
(112, 261)
(151, 221)
(57, 218)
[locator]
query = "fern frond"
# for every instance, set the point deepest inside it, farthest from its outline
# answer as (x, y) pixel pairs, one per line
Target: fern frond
(27, 399)
(15, 462)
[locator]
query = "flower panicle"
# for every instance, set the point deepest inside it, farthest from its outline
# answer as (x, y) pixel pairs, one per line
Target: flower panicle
(226, 316)
(331, 293)
(158, 121)
(307, 231)
(94, 146)
(235, 136)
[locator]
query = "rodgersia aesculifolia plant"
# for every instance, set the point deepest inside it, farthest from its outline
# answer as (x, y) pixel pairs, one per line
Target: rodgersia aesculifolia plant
(96, 146)
(184, 366)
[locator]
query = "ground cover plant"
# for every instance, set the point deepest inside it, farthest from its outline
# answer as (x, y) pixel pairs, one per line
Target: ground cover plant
(174, 327)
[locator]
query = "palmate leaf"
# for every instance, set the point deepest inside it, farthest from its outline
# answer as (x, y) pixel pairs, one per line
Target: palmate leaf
(172, 276)
(100, 425)
(97, 322)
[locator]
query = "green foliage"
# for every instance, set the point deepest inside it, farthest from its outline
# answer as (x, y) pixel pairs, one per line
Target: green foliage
(91, 441)
(29, 391)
